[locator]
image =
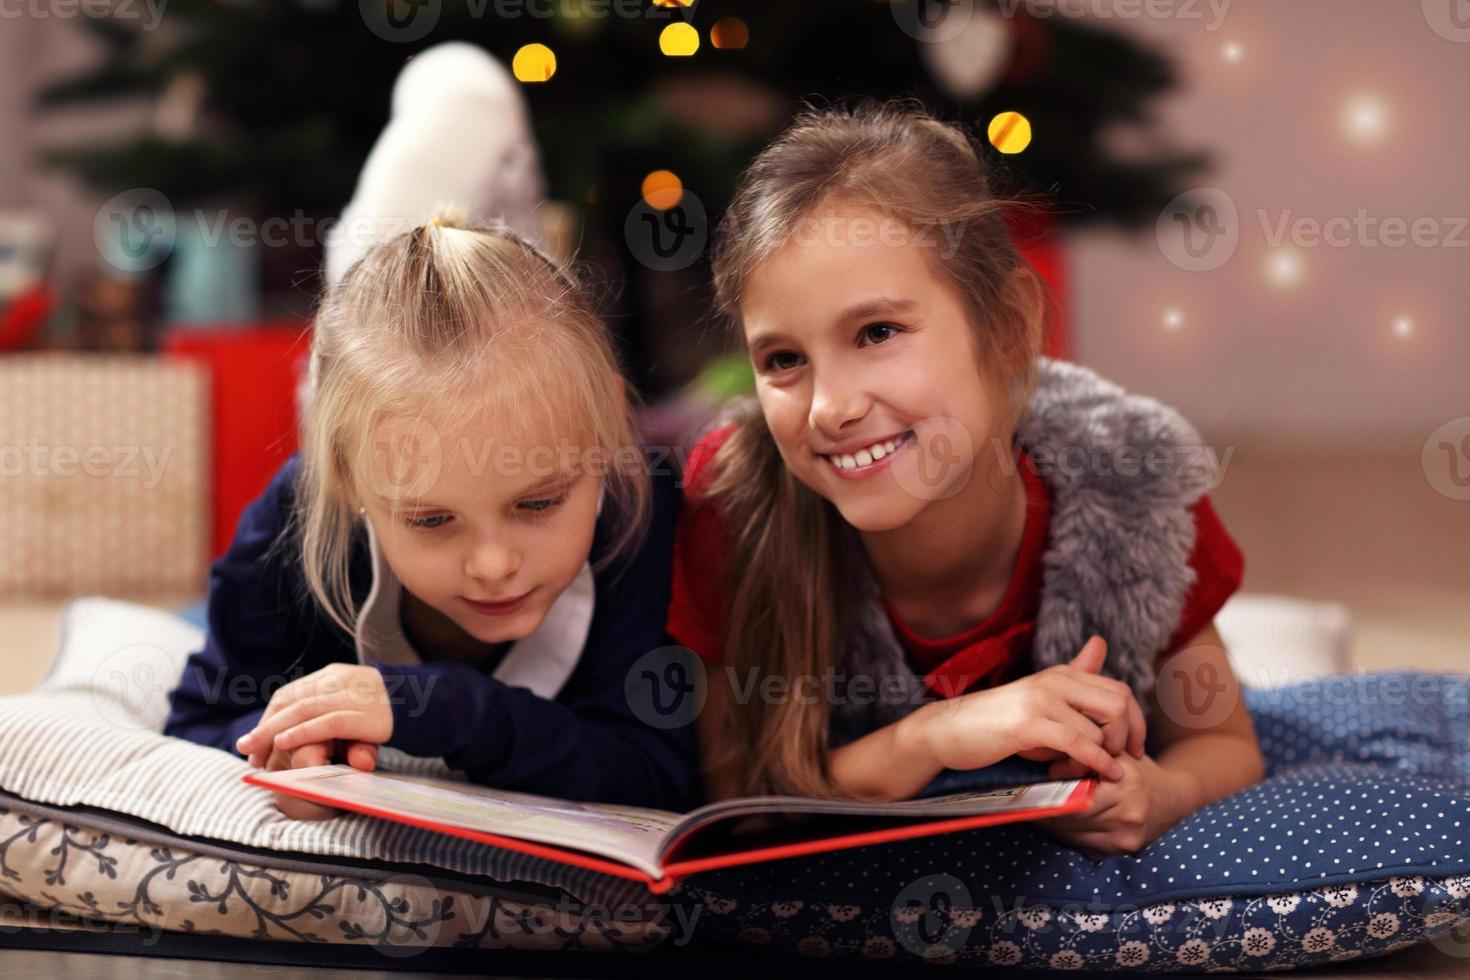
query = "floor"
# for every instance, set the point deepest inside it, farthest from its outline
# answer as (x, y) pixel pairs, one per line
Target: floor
(1365, 530)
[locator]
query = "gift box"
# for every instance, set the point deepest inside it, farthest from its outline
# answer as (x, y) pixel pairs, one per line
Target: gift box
(253, 375)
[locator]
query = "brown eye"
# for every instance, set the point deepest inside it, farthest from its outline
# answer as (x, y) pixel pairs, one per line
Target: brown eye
(879, 332)
(782, 360)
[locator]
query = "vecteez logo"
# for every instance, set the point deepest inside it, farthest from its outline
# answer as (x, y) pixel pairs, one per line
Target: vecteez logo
(1199, 230)
(136, 230)
(401, 21)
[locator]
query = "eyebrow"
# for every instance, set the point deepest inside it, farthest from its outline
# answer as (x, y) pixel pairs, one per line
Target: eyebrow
(858, 311)
(877, 307)
(554, 481)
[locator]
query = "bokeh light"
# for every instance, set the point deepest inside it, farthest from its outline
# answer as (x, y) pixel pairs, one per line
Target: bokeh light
(678, 40)
(662, 189)
(1010, 132)
(729, 33)
(534, 63)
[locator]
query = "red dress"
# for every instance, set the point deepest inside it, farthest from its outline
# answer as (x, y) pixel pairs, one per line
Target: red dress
(993, 651)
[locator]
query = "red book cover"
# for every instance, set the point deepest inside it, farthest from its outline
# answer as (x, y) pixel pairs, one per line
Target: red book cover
(657, 847)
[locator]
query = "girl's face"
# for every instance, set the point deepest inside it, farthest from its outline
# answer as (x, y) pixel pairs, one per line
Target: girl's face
(866, 366)
(486, 526)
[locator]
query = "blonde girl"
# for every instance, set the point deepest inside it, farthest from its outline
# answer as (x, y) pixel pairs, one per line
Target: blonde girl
(469, 553)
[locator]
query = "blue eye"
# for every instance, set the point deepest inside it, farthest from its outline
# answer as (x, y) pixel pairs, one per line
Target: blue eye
(428, 523)
(543, 504)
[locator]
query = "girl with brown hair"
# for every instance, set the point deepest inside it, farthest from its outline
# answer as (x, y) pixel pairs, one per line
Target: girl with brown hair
(924, 546)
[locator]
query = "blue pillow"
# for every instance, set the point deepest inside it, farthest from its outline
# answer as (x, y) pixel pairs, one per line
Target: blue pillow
(1356, 843)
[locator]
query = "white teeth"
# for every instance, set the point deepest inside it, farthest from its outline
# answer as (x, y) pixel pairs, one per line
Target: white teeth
(867, 456)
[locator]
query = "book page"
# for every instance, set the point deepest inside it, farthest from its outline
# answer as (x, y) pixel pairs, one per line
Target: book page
(995, 800)
(631, 835)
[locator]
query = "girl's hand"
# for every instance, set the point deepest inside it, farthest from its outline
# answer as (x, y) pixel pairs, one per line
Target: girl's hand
(1067, 711)
(1118, 734)
(315, 754)
(1126, 816)
(347, 702)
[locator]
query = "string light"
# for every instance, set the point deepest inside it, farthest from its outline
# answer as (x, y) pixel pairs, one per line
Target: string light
(1284, 267)
(662, 189)
(1365, 118)
(1173, 319)
(1009, 132)
(1403, 327)
(729, 33)
(1232, 52)
(678, 40)
(533, 63)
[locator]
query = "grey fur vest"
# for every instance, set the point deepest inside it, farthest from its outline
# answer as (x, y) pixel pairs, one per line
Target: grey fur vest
(1123, 471)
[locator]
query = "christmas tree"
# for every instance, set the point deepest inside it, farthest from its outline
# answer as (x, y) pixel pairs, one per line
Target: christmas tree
(272, 105)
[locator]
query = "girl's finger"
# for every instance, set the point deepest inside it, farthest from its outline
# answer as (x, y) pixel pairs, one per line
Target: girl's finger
(1090, 658)
(1137, 728)
(1137, 724)
(1100, 701)
(264, 733)
(1085, 726)
(333, 724)
(315, 754)
(362, 755)
(1079, 746)
(299, 809)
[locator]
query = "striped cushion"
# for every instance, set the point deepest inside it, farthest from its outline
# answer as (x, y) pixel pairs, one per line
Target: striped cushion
(90, 737)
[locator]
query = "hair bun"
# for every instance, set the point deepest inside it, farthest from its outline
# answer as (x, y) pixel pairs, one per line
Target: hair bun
(446, 216)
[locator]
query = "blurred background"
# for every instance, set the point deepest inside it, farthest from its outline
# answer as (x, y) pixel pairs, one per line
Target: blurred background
(1255, 212)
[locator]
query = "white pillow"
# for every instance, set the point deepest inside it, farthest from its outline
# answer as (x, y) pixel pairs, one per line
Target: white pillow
(128, 657)
(1276, 640)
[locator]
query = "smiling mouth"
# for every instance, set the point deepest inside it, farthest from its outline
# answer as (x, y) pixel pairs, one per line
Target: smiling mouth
(868, 456)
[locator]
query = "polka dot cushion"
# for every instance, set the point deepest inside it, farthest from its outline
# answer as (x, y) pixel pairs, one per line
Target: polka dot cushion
(1357, 843)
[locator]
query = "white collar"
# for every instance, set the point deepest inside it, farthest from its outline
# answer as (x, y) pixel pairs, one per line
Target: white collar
(542, 661)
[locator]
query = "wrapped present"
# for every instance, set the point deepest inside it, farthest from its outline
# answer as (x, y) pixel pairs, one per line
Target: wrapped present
(253, 375)
(103, 475)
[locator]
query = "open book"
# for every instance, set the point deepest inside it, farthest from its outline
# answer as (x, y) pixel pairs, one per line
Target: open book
(657, 847)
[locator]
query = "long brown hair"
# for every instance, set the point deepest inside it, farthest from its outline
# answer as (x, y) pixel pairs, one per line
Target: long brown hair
(792, 588)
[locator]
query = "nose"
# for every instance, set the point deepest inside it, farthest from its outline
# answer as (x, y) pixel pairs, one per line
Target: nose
(492, 560)
(836, 401)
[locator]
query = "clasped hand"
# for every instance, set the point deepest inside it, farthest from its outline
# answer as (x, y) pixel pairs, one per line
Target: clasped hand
(342, 709)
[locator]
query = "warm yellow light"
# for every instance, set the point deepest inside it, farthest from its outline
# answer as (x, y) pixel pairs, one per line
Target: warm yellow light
(534, 63)
(662, 189)
(673, 3)
(729, 32)
(1010, 132)
(678, 40)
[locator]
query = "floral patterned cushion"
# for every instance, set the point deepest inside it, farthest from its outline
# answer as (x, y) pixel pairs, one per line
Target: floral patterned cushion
(1356, 844)
(101, 814)
(96, 869)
